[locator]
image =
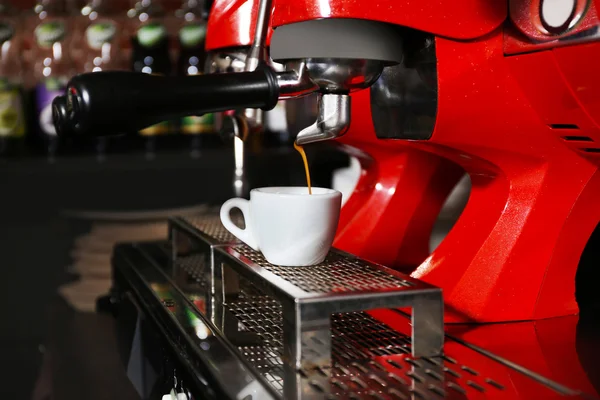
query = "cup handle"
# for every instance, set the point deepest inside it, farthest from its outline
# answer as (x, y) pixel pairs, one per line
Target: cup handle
(245, 235)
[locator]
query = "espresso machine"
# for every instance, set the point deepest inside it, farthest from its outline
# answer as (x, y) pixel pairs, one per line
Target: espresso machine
(421, 93)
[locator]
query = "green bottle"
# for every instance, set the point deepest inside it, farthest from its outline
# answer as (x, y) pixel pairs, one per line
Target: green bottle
(12, 109)
(150, 55)
(191, 23)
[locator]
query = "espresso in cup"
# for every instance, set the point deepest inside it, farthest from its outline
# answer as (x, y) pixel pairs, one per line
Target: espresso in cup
(287, 224)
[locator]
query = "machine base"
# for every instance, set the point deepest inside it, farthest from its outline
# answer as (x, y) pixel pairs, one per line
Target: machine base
(243, 354)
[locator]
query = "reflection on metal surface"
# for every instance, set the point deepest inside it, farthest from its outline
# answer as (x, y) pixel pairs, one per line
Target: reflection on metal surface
(295, 81)
(240, 184)
(235, 127)
(202, 330)
(558, 349)
(548, 382)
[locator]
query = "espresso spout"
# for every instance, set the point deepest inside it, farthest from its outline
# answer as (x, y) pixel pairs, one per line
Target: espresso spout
(109, 103)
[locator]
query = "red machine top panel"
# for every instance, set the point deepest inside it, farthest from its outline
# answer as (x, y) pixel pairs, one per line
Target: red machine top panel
(231, 22)
(458, 19)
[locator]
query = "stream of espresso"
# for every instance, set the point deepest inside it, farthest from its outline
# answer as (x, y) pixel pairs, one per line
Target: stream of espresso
(303, 154)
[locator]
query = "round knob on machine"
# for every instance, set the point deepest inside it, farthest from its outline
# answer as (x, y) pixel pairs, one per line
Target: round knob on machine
(557, 15)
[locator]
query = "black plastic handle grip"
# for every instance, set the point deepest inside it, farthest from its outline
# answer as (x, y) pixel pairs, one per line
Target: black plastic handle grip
(110, 103)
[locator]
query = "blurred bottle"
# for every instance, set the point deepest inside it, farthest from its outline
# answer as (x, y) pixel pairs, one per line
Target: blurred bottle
(52, 66)
(150, 54)
(97, 47)
(191, 34)
(12, 110)
(98, 36)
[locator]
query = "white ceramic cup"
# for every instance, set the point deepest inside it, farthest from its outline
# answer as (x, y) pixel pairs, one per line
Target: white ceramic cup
(289, 226)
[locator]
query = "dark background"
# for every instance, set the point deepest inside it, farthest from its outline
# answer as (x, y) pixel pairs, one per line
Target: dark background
(36, 238)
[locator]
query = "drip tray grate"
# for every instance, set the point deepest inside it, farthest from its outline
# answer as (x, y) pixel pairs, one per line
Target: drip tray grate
(211, 226)
(370, 359)
(339, 273)
(308, 296)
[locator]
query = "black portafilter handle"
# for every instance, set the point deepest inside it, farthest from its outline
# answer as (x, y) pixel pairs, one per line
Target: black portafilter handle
(112, 103)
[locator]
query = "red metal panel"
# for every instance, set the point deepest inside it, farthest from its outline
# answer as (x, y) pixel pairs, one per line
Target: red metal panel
(526, 184)
(465, 19)
(390, 215)
(548, 347)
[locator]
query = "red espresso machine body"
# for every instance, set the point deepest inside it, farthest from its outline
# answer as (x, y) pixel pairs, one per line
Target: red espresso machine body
(523, 126)
(502, 117)
(401, 191)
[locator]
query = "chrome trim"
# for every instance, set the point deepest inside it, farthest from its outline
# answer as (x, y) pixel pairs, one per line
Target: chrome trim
(333, 120)
(258, 50)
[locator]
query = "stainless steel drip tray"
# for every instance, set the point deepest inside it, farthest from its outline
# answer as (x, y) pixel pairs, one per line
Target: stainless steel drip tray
(310, 295)
(370, 359)
(306, 332)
